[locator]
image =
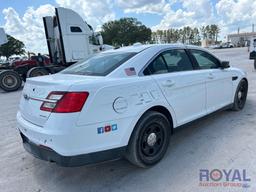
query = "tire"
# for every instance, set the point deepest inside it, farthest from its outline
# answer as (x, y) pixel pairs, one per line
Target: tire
(10, 80)
(149, 140)
(240, 96)
(36, 72)
(255, 64)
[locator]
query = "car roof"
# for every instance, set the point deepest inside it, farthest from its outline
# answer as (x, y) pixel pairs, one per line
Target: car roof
(136, 48)
(133, 48)
(144, 54)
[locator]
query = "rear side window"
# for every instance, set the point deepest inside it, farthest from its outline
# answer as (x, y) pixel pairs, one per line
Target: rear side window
(205, 60)
(99, 65)
(158, 66)
(177, 60)
(169, 61)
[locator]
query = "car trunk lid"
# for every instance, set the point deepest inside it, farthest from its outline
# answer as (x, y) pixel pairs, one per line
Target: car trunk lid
(37, 89)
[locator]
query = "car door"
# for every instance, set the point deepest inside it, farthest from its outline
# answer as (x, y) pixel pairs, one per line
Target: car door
(218, 82)
(183, 88)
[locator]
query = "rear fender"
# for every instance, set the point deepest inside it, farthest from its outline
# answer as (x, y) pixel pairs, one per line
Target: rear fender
(128, 134)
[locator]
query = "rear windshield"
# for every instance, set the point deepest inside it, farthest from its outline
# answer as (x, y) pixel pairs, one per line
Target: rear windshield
(99, 65)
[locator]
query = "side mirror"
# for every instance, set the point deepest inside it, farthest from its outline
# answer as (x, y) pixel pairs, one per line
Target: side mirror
(224, 64)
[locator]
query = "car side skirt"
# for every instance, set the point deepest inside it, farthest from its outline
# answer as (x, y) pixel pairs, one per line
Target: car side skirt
(227, 107)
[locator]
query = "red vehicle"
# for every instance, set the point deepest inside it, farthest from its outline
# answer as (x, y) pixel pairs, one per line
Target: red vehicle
(31, 62)
(12, 75)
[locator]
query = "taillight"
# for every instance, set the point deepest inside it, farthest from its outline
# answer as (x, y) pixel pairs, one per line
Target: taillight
(64, 102)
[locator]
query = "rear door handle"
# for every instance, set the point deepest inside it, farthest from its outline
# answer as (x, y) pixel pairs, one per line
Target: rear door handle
(168, 83)
(210, 76)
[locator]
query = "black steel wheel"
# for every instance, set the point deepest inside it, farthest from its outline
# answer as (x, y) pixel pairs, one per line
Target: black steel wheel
(152, 140)
(149, 140)
(10, 80)
(240, 96)
(36, 72)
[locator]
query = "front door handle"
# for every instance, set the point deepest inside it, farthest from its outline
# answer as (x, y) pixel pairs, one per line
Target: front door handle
(168, 83)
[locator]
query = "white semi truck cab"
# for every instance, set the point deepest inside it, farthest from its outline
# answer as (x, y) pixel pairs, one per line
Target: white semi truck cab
(3, 37)
(69, 37)
(253, 50)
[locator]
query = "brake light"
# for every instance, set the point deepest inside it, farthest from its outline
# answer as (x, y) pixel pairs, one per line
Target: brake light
(65, 102)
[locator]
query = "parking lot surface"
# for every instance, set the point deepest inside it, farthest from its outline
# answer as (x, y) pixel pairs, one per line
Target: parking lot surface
(223, 140)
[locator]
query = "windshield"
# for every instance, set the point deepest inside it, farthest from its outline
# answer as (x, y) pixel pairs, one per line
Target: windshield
(99, 65)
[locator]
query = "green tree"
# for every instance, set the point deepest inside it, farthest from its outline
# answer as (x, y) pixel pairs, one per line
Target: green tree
(196, 37)
(12, 47)
(215, 32)
(186, 35)
(210, 32)
(125, 31)
(203, 32)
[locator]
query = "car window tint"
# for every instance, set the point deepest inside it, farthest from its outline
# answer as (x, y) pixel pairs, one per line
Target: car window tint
(177, 60)
(99, 65)
(158, 66)
(205, 60)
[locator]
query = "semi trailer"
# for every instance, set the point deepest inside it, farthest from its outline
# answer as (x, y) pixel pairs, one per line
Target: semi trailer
(69, 39)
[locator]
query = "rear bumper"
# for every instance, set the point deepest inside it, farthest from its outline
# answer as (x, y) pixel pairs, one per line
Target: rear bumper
(67, 139)
(47, 154)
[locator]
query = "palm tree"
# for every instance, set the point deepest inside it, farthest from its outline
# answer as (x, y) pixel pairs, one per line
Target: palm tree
(215, 30)
(203, 32)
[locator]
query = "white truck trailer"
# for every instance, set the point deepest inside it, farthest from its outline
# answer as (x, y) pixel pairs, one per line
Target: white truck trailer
(69, 39)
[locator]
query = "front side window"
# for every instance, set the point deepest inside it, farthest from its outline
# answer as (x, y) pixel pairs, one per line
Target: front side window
(205, 60)
(177, 60)
(99, 65)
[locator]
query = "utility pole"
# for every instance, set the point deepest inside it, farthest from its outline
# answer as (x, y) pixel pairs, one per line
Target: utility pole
(252, 27)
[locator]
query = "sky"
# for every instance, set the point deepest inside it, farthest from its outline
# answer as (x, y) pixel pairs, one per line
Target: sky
(23, 18)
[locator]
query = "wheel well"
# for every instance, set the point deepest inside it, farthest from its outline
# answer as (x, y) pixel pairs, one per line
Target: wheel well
(234, 96)
(165, 112)
(245, 80)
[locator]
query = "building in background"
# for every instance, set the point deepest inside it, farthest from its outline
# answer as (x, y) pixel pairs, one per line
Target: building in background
(241, 39)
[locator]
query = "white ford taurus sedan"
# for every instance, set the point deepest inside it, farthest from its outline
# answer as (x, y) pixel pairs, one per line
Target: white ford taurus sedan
(124, 103)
